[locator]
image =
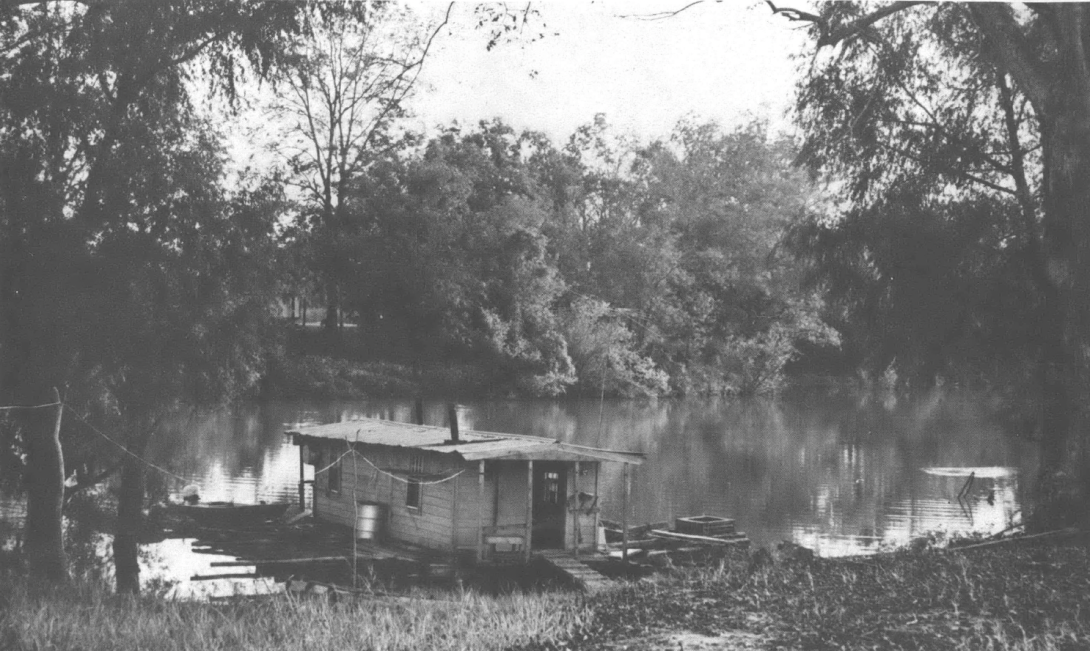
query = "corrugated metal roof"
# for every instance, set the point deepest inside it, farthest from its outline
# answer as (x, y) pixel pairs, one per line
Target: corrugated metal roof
(472, 445)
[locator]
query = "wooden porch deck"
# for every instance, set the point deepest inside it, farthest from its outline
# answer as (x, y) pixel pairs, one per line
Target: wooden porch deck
(578, 572)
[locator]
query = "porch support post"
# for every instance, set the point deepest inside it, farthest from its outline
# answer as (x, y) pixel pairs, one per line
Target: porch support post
(624, 517)
(577, 533)
(302, 477)
(529, 508)
(480, 511)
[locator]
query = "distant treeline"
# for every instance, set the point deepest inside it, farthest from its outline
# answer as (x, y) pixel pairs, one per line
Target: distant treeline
(603, 266)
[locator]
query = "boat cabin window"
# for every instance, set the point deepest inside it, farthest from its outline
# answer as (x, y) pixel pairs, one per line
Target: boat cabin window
(413, 494)
(552, 488)
(333, 476)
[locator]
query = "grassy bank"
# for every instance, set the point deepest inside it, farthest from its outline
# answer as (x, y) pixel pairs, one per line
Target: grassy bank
(88, 618)
(1029, 595)
(316, 376)
(1016, 595)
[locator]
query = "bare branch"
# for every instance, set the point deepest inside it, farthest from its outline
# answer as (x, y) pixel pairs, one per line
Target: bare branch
(662, 15)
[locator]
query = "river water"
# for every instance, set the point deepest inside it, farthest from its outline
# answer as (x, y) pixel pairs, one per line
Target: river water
(841, 475)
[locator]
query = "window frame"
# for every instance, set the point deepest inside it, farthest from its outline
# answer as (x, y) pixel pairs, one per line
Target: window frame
(334, 473)
(551, 490)
(413, 487)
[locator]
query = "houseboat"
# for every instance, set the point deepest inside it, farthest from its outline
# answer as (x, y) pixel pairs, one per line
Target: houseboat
(481, 496)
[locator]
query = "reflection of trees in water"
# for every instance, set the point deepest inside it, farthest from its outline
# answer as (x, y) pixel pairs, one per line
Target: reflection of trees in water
(839, 466)
(237, 440)
(842, 466)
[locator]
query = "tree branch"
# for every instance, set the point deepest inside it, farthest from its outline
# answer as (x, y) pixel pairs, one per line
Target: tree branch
(662, 15)
(951, 170)
(1012, 51)
(88, 482)
(796, 15)
(833, 36)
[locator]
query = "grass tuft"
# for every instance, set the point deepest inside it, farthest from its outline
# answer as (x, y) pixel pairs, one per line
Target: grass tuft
(87, 617)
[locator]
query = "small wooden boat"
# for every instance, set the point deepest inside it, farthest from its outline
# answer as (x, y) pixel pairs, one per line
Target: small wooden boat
(229, 514)
(690, 538)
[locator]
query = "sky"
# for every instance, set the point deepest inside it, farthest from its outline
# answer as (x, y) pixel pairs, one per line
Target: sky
(724, 61)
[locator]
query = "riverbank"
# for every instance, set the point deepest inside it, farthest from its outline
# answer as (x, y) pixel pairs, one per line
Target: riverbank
(312, 376)
(1031, 594)
(322, 377)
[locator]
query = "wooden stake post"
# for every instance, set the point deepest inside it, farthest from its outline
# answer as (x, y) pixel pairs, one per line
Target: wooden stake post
(529, 507)
(624, 517)
(480, 511)
(302, 479)
(578, 504)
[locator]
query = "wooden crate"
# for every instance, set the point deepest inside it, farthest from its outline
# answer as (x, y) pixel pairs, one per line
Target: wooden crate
(704, 525)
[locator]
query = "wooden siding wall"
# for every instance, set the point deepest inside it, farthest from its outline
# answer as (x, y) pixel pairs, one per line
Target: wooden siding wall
(467, 503)
(430, 525)
(512, 494)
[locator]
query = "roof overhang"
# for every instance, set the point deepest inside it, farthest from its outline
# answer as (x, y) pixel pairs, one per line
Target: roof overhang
(472, 445)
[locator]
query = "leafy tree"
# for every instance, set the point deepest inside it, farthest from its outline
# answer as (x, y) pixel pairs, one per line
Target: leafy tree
(341, 103)
(602, 349)
(682, 236)
(121, 281)
(452, 251)
(976, 103)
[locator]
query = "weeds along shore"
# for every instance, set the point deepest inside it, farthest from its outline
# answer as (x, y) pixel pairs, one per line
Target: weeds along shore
(1025, 595)
(87, 617)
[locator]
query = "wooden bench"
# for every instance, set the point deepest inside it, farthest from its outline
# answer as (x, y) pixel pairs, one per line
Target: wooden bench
(510, 536)
(499, 539)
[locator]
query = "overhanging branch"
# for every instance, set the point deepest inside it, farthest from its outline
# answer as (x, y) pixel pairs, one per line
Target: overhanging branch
(1012, 51)
(833, 35)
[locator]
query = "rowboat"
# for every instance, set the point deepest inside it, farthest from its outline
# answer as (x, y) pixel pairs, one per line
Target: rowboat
(228, 514)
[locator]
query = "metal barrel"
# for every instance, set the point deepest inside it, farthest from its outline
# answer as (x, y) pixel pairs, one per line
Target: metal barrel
(369, 518)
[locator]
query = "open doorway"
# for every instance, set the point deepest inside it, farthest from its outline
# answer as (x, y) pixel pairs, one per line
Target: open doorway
(549, 499)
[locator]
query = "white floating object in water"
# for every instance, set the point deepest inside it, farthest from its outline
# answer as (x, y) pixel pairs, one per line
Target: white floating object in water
(984, 472)
(191, 493)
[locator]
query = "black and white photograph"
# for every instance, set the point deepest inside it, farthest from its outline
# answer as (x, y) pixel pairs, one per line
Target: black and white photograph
(590, 325)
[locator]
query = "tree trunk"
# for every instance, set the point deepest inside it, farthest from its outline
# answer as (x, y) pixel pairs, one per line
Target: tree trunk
(44, 543)
(1065, 478)
(333, 308)
(130, 515)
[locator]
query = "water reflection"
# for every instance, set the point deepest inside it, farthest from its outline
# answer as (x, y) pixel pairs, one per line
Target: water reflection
(842, 476)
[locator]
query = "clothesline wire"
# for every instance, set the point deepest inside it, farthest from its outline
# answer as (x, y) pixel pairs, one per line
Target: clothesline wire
(123, 448)
(351, 450)
(384, 472)
(94, 429)
(48, 404)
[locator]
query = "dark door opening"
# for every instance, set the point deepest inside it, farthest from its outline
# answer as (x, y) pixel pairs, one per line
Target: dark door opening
(550, 496)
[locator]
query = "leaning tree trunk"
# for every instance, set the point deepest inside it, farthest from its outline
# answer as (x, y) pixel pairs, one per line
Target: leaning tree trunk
(130, 516)
(44, 541)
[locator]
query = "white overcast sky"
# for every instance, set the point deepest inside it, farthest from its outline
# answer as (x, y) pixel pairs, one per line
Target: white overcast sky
(727, 61)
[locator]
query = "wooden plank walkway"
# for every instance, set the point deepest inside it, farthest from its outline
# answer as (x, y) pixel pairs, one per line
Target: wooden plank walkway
(311, 543)
(578, 572)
